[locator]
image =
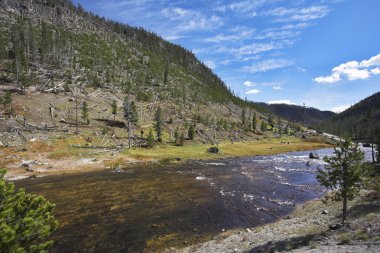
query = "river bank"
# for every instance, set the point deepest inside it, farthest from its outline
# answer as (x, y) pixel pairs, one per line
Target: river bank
(148, 208)
(308, 229)
(75, 155)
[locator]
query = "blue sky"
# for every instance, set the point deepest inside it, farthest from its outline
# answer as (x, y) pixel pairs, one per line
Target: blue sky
(321, 53)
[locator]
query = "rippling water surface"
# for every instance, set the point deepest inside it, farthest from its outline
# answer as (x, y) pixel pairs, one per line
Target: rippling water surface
(150, 208)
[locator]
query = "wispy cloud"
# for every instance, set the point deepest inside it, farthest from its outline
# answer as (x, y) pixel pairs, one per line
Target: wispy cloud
(274, 85)
(211, 64)
(352, 70)
(285, 14)
(252, 91)
(267, 65)
(247, 6)
(249, 83)
(243, 35)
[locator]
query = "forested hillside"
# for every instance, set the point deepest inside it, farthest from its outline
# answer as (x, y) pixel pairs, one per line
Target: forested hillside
(358, 121)
(86, 63)
(74, 45)
(307, 116)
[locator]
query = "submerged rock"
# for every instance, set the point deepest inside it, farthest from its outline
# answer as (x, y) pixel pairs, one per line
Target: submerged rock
(313, 155)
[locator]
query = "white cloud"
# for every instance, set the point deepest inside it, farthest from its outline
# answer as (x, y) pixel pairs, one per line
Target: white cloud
(340, 108)
(256, 48)
(284, 101)
(375, 71)
(247, 6)
(253, 91)
(352, 70)
(373, 61)
(275, 35)
(277, 87)
(201, 23)
(249, 83)
(298, 14)
(211, 64)
(267, 65)
(174, 37)
(335, 77)
(231, 37)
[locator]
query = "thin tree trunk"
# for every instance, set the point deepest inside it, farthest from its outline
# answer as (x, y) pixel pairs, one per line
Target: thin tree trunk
(76, 116)
(344, 210)
(372, 137)
(373, 153)
(129, 137)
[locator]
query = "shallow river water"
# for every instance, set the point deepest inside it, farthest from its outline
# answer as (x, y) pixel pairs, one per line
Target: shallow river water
(149, 208)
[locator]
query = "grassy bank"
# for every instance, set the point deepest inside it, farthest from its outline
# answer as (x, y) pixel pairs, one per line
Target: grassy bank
(73, 154)
(227, 149)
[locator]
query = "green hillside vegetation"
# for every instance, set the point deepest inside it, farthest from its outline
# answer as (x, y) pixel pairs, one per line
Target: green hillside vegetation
(83, 63)
(75, 45)
(307, 116)
(362, 120)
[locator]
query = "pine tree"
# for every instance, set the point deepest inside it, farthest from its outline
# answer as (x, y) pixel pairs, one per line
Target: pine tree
(287, 129)
(263, 127)
(166, 73)
(135, 117)
(159, 124)
(130, 111)
(150, 139)
(26, 220)
(129, 117)
(254, 122)
(378, 145)
(8, 99)
(85, 112)
(176, 135)
(182, 139)
(114, 110)
(270, 120)
(243, 117)
(345, 172)
(191, 132)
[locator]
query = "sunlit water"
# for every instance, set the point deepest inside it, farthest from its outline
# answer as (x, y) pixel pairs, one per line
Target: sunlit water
(150, 208)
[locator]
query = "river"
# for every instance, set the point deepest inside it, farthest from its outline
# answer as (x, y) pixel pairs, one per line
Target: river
(149, 208)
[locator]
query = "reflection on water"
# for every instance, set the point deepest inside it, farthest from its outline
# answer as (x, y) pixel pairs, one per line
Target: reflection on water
(150, 208)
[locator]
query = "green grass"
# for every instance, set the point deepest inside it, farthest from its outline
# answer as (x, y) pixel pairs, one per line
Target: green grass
(227, 149)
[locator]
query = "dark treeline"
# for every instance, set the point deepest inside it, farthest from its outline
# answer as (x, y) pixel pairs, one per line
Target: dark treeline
(307, 116)
(361, 121)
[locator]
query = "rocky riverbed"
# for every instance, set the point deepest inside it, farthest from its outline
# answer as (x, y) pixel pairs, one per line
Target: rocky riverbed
(158, 208)
(310, 228)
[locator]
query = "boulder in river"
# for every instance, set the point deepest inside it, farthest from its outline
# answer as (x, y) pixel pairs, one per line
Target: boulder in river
(313, 155)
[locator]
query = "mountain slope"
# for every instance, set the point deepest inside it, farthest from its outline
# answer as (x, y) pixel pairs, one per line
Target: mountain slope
(58, 35)
(356, 120)
(304, 115)
(58, 49)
